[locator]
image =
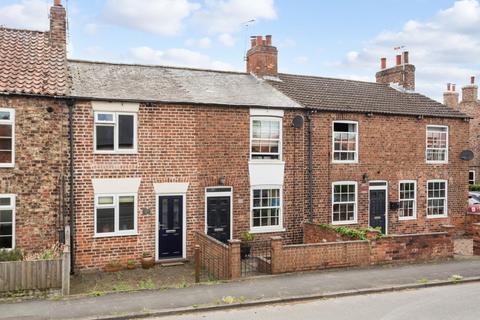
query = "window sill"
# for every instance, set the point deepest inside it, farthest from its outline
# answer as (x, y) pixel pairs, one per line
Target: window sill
(7, 165)
(436, 162)
(341, 223)
(266, 230)
(407, 218)
(113, 234)
(438, 216)
(344, 162)
(115, 152)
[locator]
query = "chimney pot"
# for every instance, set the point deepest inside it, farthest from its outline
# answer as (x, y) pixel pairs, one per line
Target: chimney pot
(57, 3)
(268, 39)
(453, 87)
(449, 86)
(472, 80)
(383, 63)
(399, 59)
(253, 41)
(405, 57)
(259, 40)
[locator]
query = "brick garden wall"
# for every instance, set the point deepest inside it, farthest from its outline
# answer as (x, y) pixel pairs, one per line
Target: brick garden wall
(313, 233)
(41, 158)
(214, 256)
(471, 219)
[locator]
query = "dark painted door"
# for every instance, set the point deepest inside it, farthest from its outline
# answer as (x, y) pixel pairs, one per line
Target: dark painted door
(170, 227)
(218, 218)
(378, 209)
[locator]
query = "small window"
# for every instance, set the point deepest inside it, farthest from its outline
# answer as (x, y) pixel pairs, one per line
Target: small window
(115, 215)
(344, 202)
(266, 138)
(345, 141)
(266, 209)
(115, 132)
(7, 221)
(471, 177)
(407, 200)
(7, 137)
(437, 198)
(437, 144)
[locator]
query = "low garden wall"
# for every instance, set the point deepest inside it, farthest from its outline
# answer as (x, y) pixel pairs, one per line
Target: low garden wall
(470, 219)
(218, 259)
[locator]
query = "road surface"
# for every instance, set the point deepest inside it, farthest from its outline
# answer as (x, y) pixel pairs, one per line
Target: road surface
(461, 301)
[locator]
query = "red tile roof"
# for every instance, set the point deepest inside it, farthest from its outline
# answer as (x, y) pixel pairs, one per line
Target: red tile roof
(29, 64)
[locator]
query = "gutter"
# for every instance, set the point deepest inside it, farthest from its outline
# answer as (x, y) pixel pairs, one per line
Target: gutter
(71, 104)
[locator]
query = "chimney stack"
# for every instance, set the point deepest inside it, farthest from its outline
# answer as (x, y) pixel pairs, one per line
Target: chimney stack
(262, 57)
(58, 24)
(450, 97)
(402, 74)
(470, 92)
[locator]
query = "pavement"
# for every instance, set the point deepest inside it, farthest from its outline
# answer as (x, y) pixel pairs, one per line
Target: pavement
(260, 290)
(440, 303)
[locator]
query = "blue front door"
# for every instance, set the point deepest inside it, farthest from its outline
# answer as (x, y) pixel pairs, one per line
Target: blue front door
(170, 227)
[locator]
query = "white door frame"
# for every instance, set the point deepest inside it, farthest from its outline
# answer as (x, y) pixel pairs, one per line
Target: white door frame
(220, 194)
(382, 187)
(184, 222)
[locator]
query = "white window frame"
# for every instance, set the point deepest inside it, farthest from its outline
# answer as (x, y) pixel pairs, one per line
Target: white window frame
(12, 123)
(355, 207)
(426, 144)
(474, 176)
(116, 204)
(357, 147)
(280, 138)
(446, 200)
(265, 229)
(12, 207)
(414, 200)
(114, 123)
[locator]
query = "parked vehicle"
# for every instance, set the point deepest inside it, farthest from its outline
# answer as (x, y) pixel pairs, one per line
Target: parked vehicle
(474, 202)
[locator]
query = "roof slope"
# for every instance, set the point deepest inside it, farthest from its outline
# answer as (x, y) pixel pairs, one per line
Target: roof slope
(330, 94)
(110, 81)
(30, 65)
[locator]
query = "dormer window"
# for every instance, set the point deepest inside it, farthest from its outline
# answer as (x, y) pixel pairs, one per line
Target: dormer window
(266, 138)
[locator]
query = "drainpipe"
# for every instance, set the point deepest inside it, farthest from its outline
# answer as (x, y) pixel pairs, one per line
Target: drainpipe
(70, 104)
(310, 166)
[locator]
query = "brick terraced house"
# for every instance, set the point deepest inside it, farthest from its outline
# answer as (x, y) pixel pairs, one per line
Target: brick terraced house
(33, 135)
(161, 152)
(469, 105)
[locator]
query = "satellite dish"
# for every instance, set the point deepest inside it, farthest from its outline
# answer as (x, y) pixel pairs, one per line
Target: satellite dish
(297, 122)
(466, 155)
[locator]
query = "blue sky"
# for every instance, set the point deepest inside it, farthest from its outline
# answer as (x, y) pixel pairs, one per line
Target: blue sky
(343, 38)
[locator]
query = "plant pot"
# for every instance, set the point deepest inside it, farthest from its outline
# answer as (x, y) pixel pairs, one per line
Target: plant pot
(113, 268)
(147, 262)
(245, 250)
(131, 266)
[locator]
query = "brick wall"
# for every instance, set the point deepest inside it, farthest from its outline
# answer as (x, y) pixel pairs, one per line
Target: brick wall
(390, 249)
(214, 256)
(41, 156)
(470, 220)
(313, 233)
(179, 143)
(391, 148)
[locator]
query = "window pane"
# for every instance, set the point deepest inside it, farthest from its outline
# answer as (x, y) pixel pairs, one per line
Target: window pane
(6, 144)
(5, 201)
(105, 137)
(6, 216)
(105, 117)
(105, 220)
(4, 115)
(5, 130)
(125, 131)
(105, 200)
(126, 212)
(6, 242)
(5, 157)
(6, 229)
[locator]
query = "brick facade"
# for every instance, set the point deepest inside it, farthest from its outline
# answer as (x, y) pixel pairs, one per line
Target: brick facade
(41, 159)
(391, 148)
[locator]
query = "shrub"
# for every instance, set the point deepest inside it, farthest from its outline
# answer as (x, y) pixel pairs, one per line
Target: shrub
(247, 236)
(360, 234)
(46, 254)
(11, 255)
(474, 187)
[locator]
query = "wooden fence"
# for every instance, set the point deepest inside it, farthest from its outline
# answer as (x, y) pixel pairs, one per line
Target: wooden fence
(37, 275)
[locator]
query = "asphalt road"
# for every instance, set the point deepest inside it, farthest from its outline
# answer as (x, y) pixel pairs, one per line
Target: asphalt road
(461, 301)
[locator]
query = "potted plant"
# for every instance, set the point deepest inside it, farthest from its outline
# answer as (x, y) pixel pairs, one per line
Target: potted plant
(131, 264)
(113, 266)
(147, 260)
(245, 245)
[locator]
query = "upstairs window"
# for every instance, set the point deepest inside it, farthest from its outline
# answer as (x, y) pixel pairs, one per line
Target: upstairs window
(115, 132)
(471, 177)
(266, 138)
(345, 141)
(437, 144)
(7, 137)
(7, 221)
(115, 215)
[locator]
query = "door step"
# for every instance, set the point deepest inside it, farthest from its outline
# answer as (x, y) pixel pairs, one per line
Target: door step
(172, 262)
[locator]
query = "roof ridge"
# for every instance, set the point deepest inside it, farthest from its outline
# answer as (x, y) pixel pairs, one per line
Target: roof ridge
(154, 66)
(2, 27)
(332, 78)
